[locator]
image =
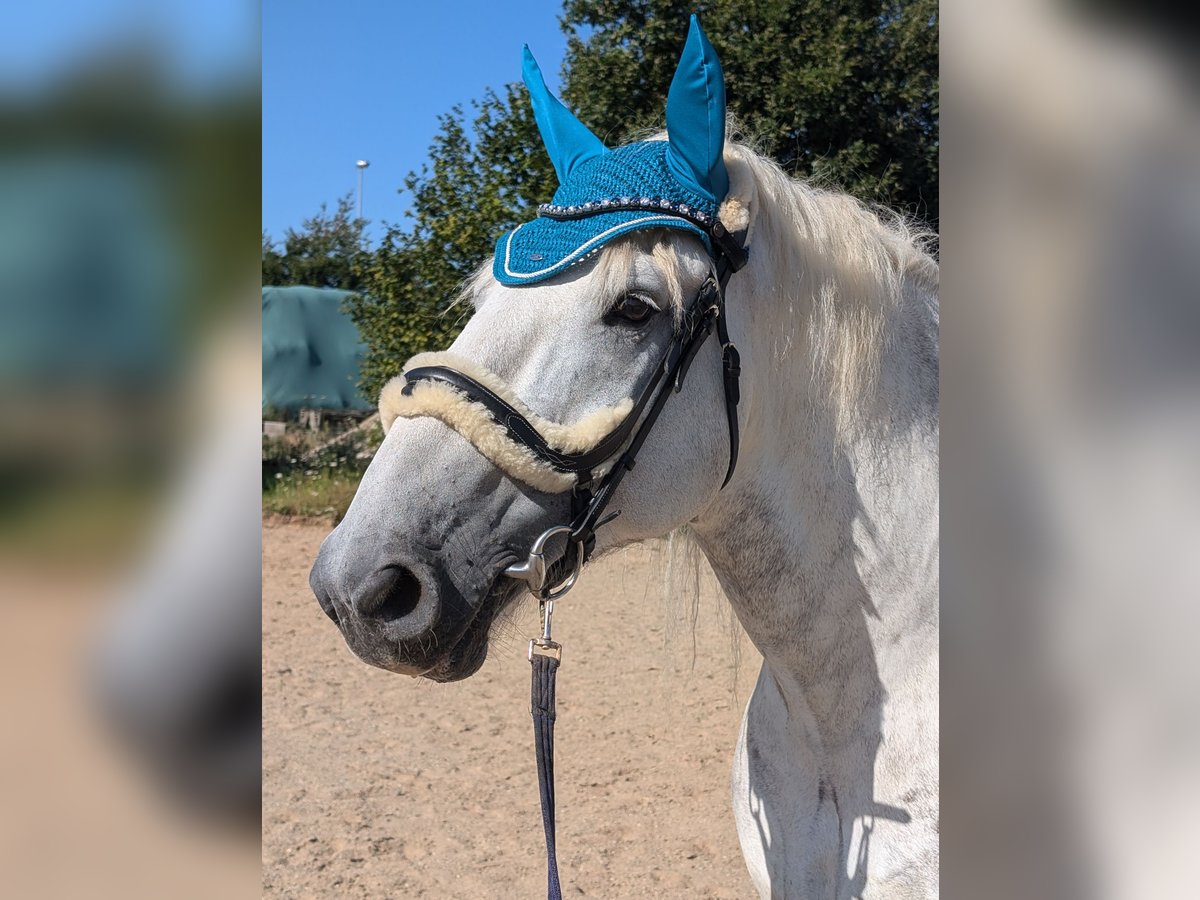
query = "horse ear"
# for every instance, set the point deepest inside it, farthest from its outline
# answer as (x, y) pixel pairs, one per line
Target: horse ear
(696, 117)
(567, 140)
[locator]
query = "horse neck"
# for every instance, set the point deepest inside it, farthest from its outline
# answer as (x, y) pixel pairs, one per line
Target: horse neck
(826, 545)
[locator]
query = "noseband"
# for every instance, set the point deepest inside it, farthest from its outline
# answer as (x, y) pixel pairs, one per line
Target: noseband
(590, 496)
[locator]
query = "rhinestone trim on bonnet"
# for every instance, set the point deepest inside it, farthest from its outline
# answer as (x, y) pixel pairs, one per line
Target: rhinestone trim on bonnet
(628, 188)
(639, 204)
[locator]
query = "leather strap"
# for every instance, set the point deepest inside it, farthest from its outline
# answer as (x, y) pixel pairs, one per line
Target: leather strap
(520, 429)
(674, 368)
(542, 709)
(523, 432)
(731, 360)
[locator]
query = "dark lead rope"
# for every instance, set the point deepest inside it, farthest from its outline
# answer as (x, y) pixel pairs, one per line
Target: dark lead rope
(542, 707)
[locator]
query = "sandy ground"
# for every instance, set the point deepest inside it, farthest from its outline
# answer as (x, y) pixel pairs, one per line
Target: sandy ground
(377, 785)
(79, 815)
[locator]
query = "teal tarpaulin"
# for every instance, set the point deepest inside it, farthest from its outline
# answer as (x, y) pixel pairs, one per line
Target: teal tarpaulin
(310, 350)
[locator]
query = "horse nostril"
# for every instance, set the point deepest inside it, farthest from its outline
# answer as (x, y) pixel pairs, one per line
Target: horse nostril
(396, 594)
(328, 608)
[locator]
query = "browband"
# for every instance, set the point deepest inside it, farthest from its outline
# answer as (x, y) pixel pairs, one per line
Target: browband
(725, 243)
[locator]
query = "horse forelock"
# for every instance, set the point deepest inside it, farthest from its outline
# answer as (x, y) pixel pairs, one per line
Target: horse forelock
(613, 269)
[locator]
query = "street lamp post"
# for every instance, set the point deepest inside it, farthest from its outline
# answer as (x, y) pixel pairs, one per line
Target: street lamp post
(362, 167)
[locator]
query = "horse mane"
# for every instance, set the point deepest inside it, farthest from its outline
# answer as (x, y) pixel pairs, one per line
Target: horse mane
(841, 277)
(838, 275)
(842, 280)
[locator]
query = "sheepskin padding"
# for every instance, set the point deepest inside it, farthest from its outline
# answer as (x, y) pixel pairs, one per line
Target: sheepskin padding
(736, 212)
(474, 422)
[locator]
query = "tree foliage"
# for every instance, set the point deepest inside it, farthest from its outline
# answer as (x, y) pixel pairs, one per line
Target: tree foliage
(843, 91)
(477, 184)
(322, 253)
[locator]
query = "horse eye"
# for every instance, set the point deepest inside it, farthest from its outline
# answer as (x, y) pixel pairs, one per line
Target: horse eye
(634, 308)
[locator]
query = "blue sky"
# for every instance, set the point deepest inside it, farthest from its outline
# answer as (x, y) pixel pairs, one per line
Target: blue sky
(343, 81)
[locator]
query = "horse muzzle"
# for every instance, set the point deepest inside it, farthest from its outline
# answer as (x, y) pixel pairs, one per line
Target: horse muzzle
(390, 617)
(411, 616)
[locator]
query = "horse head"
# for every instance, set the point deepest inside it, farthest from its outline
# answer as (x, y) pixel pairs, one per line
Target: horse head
(574, 321)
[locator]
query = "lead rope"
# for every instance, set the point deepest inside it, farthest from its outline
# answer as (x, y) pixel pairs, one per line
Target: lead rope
(545, 656)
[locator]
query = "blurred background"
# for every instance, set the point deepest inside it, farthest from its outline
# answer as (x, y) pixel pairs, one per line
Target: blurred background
(1071, 450)
(129, 514)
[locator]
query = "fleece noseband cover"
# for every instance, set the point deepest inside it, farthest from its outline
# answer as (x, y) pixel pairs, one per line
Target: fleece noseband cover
(402, 398)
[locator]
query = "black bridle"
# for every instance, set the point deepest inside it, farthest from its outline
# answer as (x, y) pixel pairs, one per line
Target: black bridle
(590, 498)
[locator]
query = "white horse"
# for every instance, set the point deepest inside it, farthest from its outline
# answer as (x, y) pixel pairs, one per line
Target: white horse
(825, 540)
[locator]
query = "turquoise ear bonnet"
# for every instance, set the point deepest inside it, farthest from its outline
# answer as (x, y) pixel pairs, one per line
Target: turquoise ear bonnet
(603, 194)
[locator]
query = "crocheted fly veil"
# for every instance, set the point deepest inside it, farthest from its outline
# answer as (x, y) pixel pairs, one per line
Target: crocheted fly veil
(678, 183)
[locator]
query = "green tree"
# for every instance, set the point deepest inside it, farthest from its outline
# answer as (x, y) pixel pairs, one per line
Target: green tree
(272, 262)
(843, 91)
(322, 253)
(469, 192)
